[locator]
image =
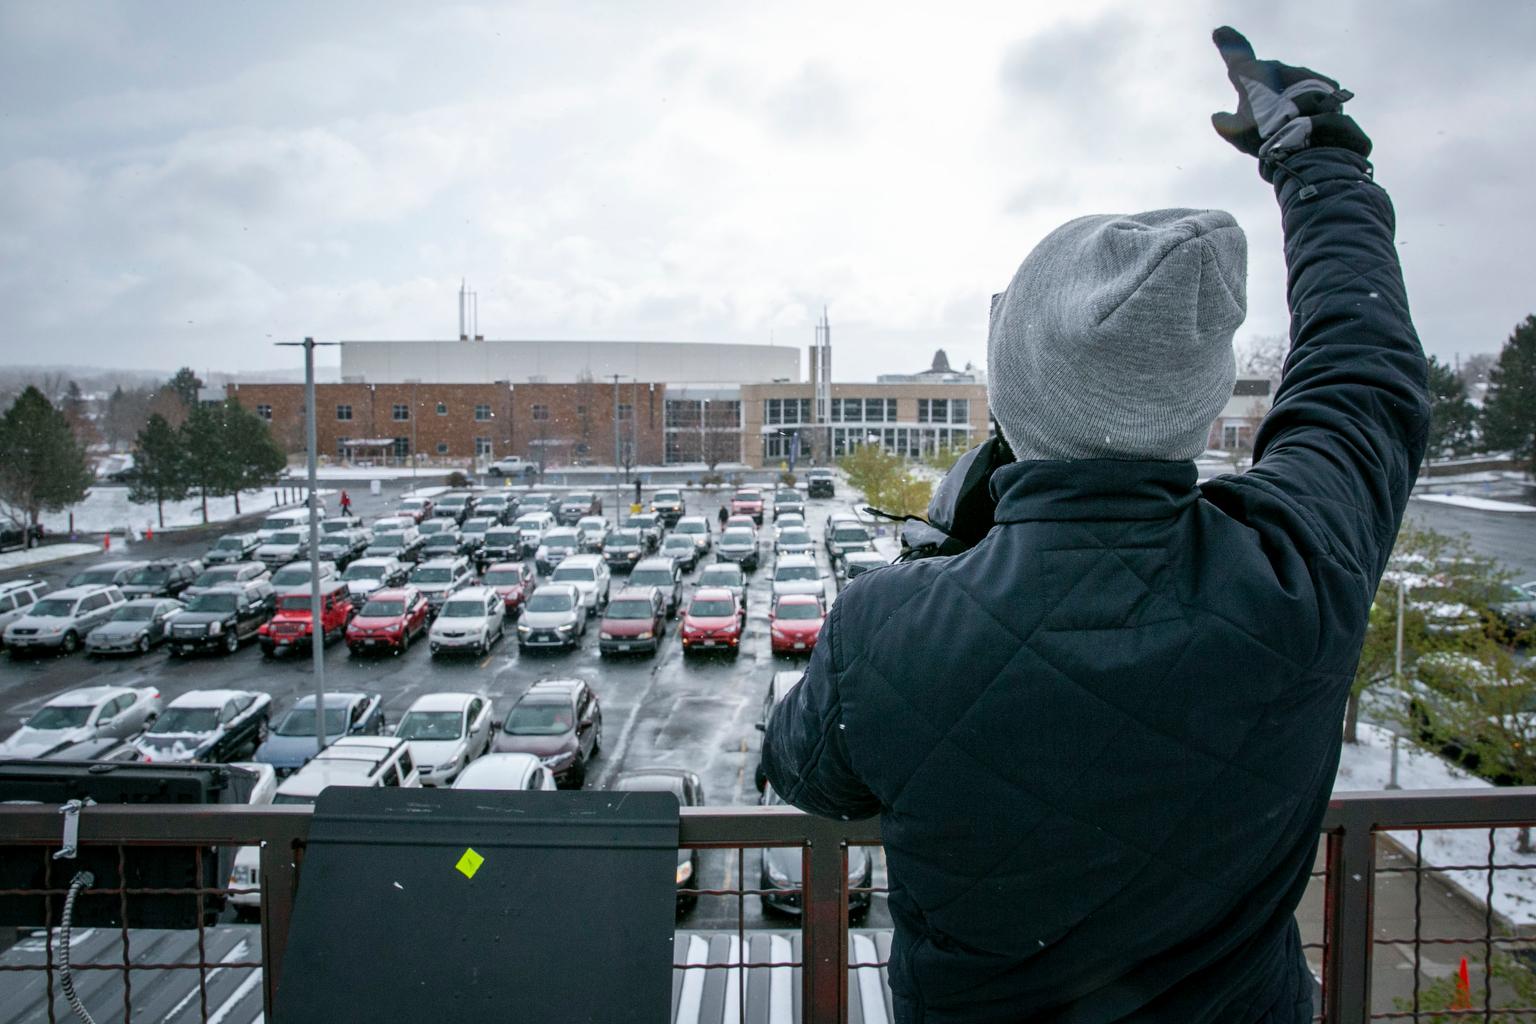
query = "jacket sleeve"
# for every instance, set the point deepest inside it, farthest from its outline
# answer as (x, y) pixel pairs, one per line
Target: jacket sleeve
(805, 750)
(1344, 439)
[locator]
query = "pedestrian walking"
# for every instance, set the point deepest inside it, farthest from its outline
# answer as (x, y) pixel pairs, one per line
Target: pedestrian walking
(725, 514)
(346, 504)
(1102, 736)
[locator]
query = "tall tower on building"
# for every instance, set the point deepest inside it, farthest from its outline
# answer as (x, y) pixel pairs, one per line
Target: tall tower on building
(821, 390)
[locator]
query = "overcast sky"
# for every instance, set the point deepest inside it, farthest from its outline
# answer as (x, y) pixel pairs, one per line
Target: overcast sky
(186, 183)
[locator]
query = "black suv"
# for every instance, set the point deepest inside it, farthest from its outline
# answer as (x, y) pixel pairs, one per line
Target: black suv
(218, 620)
(788, 500)
(818, 483)
(164, 578)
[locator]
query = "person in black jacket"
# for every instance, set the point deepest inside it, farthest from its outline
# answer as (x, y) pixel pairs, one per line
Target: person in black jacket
(1102, 738)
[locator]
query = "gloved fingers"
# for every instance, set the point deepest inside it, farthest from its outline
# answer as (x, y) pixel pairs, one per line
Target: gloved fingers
(1235, 49)
(1238, 130)
(1340, 130)
(1316, 102)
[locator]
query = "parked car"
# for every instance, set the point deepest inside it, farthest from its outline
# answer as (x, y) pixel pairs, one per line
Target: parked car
(1513, 607)
(589, 573)
(232, 547)
(781, 880)
(294, 578)
(368, 575)
(532, 526)
(748, 502)
(664, 575)
(728, 575)
(279, 522)
(389, 621)
(682, 550)
(447, 544)
(106, 574)
(577, 504)
(342, 546)
(506, 772)
(457, 505)
(365, 761)
(99, 748)
(292, 627)
(430, 528)
(496, 507)
(61, 620)
(798, 574)
(514, 581)
(819, 483)
(553, 617)
(788, 521)
(394, 524)
(740, 522)
(788, 500)
(779, 685)
(403, 545)
(209, 726)
(418, 508)
(539, 501)
(684, 785)
(794, 622)
(283, 547)
(502, 544)
(739, 546)
(235, 573)
(512, 465)
(292, 740)
(668, 504)
(246, 874)
(440, 579)
(219, 620)
(846, 538)
(135, 627)
(13, 536)
(472, 536)
(857, 563)
(17, 598)
(556, 545)
(446, 732)
(635, 620)
(623, 548)
(594, 531)
(92, 712)
(471, 620)
(649, 525)
(560, 721)
(696, 529)
(794, 541)
(714, 621)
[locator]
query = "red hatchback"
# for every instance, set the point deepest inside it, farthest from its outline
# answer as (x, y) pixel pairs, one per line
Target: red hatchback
(794, 623)
(713, 621)
(748, 503)
(389, 621)
(514, 581)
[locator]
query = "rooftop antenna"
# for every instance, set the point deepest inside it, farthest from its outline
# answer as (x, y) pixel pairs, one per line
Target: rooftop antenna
(463, 311)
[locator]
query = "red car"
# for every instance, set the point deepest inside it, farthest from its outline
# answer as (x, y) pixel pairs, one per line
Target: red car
(794, 623)
(514, 581)
(748, 503)
(293, 624)
(634, 620)
(389, 621)
(713, 621)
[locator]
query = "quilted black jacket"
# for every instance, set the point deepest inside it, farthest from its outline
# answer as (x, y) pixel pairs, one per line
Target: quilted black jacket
(1102, 740)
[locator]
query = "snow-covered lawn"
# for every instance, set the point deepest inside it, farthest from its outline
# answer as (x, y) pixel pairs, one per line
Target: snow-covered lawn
(46, 553)
(108, 510)
(1366, 766)
(1481, 504)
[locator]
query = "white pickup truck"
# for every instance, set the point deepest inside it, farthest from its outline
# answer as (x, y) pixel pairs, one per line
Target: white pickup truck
(512, 465)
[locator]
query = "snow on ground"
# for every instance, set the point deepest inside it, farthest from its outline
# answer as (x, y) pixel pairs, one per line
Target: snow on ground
(1367, 766)
(46, 553)
(365, 472)
(108, 510)
(1481, 504)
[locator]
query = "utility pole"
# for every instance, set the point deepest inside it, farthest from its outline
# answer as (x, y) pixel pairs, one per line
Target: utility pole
(1397, 679)
(618, 494)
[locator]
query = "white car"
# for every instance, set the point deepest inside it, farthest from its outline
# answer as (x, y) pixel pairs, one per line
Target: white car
(798, 574)
(93, 712)
(506, 771)
(532, 526)
(794, 541)
(278, 522)
(440, 578)
(696, 529)
(788, 521)
(446, 732)
(283, 547)
(366, 575)
(246, 873)
(62, 619)
(590, 575)
(594, 531)
(470, 620)
(295, 577)
(373, 761)
(725, 574)
(392, 524)
(17, 597)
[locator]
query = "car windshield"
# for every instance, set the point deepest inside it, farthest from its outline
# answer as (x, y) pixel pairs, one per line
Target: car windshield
(383, 609)
(723, 576)
(277, 523)
(174, 720)
(286, 538)
(574, 574)
(799, 610)
(291, 576)
(676, 542)
(60, 716)
(536, 500)
(389, 540)
(651, 578)
(301, 722)
(477, 526)
(692, 528)
(50, 608)
(294, 603)
(230, 544)
(711, 609)
(93, 577)
(578, 498)
(431, 575)
(736, 538)
(795, 537)
(639, 523)
(152, 575)
(495, 538)
(549, 601)
(795, 572)
(213, 577)
(591, 523)
(529, 522)
(134, 613)
(747, 496)
(463, 610)
(624, 538)
(668, 496)
(850, 535)
(289, 798)
(502, 578)
(435, 526)
(336, 526)
(539, 719)
(214, 603)
(364, 572)
(630, 608)
(786, 497)
(443, 540)
(560, 539)
(431, 725)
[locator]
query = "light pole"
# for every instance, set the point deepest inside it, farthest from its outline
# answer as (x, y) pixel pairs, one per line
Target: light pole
(316, 623)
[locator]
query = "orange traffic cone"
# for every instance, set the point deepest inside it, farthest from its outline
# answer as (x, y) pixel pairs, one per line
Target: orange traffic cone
(149, 533)
(1463, 1000)
(106, 542)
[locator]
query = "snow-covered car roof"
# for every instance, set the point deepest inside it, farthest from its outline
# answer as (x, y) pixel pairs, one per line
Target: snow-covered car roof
(207, 698)
(89, 695)
(442, 702)
(792, 561)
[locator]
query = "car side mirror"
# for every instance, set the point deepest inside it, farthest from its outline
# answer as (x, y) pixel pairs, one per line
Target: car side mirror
(760, 727)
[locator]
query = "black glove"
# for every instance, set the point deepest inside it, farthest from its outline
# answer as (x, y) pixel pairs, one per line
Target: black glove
(1281, 109)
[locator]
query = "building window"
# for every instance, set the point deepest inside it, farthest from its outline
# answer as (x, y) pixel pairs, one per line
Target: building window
(581, 410)
(959, 410)
(626, 411)
(442, 447)
(402, 447)
(400, 412)
(778, 411)
(442, 408)
(482, 446)
(482, 412)
(681, 414)
(541, 412)
(341, 447)
(264, 411)
(343, 412)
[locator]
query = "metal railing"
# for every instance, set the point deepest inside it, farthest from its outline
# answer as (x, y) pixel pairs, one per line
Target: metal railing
(1348, 938)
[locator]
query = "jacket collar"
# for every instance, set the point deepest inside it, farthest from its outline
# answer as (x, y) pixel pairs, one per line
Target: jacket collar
(1106, 489)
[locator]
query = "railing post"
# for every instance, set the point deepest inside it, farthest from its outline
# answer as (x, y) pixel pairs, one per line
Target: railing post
(824, 925)
(1348, 921)
(279, 885)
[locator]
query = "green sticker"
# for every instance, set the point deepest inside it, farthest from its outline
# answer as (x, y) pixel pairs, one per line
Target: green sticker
(469, 863)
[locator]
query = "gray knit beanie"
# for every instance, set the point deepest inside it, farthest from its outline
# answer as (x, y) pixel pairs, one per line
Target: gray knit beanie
(1114, 340)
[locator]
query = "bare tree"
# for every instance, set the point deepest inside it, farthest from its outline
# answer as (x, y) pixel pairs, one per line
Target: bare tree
(1263, 355)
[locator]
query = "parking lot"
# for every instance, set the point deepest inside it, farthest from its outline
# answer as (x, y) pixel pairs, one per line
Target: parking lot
(699, 714)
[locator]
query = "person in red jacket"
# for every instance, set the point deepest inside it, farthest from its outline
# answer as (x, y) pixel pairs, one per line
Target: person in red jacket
(346, 504)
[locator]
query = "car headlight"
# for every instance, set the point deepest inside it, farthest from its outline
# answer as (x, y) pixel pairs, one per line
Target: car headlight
(524, 629)
(775, 874)
(684, 871)
(556, 760)
(780, 634)
(215, 628)
(604, 635)
(644, 636)
(565, 628)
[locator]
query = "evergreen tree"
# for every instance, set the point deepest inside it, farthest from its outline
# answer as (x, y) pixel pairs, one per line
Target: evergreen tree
(210, 464)
(258, 459)
(160, 466)
(1509, 412)
(1453, 420)
(42, 466)
(186, 384)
